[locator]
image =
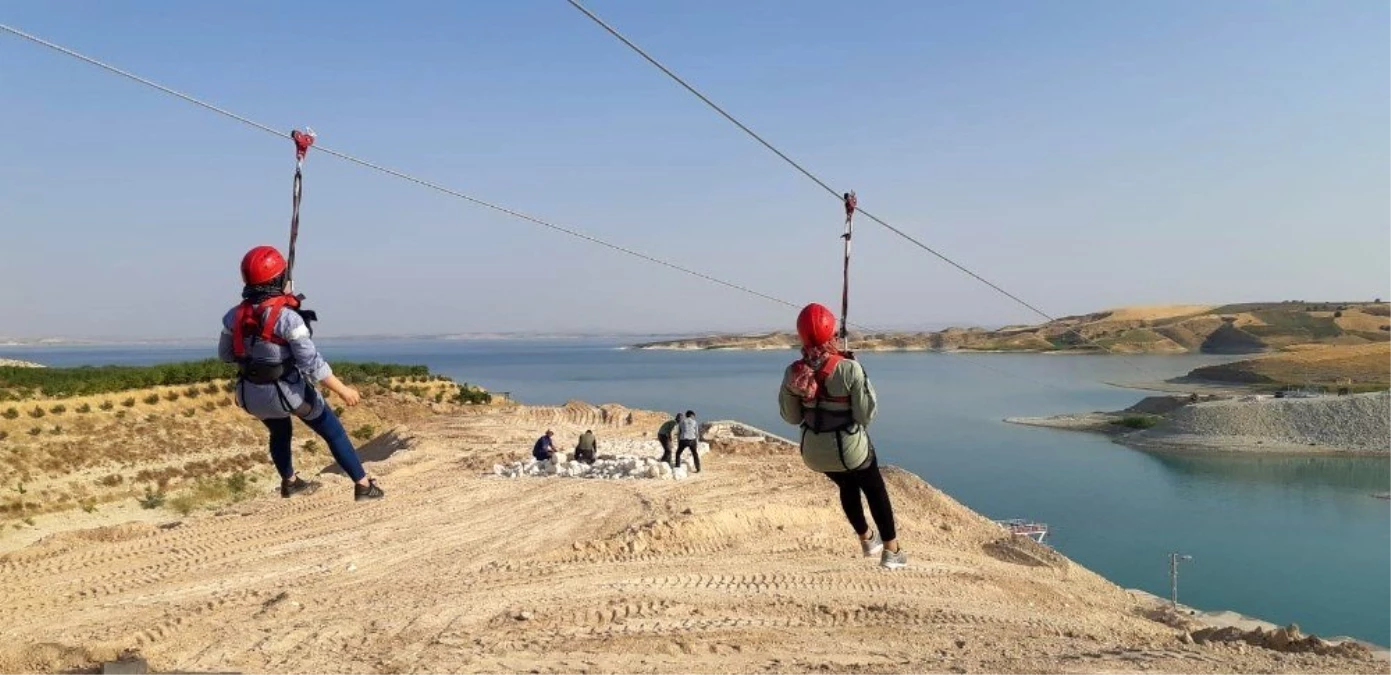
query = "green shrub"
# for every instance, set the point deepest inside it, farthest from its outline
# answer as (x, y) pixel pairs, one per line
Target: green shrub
(171, 395)
(151, 399)
(107, 405)
(365, 432)
(212, 388)
(193, 392)
(237, 483)
(311, 446)
(190, 412)
(472, 396)
(36, 413)
(152, 499)
(84, 408)
(210, 406)
(58, 409)
(10, 413)
(439, 397)
(224, 403)
(89, 505)
(338, 410)
(129, 402)
(120, 414)
(57, 429)
(35, 431)
(1137, 421)
(4, 434)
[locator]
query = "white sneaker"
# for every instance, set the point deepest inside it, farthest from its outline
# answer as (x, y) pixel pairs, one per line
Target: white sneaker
(893, 560)
(872, 546)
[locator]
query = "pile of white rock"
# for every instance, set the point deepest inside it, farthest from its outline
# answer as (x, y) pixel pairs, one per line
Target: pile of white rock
(616, 461)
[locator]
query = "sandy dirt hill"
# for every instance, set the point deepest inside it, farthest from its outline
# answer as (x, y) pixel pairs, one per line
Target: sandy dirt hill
(1154, 329)
(1367, 365)
(746, 567)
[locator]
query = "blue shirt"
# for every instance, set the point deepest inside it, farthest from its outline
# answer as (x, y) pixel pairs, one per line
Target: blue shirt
(543, 448)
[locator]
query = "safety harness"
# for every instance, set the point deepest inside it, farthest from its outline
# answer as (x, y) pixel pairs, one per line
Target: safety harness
(816, 417)
(851, 203)
(303, 140)
(257, 322)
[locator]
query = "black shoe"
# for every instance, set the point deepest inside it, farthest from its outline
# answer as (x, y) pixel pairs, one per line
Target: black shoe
(369, 491)
(296, 486)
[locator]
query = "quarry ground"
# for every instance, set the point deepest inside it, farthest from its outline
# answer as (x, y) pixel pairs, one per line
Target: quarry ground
(746, 567)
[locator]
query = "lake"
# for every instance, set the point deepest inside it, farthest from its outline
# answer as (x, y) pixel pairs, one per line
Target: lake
(1285, 539)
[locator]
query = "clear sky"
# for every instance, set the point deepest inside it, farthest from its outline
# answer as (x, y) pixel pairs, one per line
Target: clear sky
(1081, 154)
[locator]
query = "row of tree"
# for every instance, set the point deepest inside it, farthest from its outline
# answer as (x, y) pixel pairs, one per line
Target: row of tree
(22, 383)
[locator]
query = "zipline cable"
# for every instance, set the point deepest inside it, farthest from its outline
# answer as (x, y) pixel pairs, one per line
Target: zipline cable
(439, 188)
(393, 172)
(816, 179)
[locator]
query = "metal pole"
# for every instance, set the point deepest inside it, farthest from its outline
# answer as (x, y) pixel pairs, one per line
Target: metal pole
(1173, 579)
(1174, 559)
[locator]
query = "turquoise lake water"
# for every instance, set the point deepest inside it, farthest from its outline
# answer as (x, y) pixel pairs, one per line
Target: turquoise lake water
(1286, 539)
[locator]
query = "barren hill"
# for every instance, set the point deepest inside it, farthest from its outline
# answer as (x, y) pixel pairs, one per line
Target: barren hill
(1366, 366)
(746, 567)
(1230, 329)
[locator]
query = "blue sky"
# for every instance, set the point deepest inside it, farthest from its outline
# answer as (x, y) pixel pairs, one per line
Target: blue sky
(1081, 154)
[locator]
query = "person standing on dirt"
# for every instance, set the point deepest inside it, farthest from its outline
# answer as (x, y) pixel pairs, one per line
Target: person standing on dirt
(827, 393)
(544, 449)
(688, 435)
(268, 337)
(664, 436)
(586, 448)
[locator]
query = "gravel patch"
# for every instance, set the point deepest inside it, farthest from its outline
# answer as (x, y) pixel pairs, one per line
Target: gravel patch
(1358, 423)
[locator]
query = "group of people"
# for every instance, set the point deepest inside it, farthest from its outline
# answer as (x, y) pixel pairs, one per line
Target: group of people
(826, 393)
(687, 430)
(586, 449)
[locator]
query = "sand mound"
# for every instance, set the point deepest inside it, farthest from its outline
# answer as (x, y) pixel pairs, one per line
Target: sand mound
(1155, 312)
(746, 567)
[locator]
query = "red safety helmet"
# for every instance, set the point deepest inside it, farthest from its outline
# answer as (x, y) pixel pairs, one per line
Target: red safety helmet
(261, 265)
(816, 325)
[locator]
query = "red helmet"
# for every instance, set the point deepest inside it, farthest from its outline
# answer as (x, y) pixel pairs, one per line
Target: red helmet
(816, 325)
(261, 265)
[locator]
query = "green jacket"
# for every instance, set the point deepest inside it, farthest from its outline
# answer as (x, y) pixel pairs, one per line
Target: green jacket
(667, 428)
(587, 442)
(834, 451)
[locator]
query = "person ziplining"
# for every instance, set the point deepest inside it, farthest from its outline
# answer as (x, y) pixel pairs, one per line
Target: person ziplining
(269, 337)
(828, 395)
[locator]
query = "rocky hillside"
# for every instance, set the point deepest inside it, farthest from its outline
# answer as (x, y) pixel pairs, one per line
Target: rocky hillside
(1172, 329)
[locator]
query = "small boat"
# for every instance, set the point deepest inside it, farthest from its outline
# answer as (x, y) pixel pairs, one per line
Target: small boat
(1025, 528)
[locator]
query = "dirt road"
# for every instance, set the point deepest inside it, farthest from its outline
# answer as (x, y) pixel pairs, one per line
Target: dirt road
(747, 567)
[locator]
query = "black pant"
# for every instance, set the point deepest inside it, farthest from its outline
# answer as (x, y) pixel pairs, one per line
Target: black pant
(666, 447)
(681, 446)
(582, 455)
(869, 481)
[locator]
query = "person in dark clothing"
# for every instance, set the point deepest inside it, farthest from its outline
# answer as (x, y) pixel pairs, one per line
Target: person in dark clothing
(664, 436)
(544, 448)
(688, 435)
(586, 448)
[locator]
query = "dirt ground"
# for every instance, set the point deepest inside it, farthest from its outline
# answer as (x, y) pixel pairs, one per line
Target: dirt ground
(747, 567)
